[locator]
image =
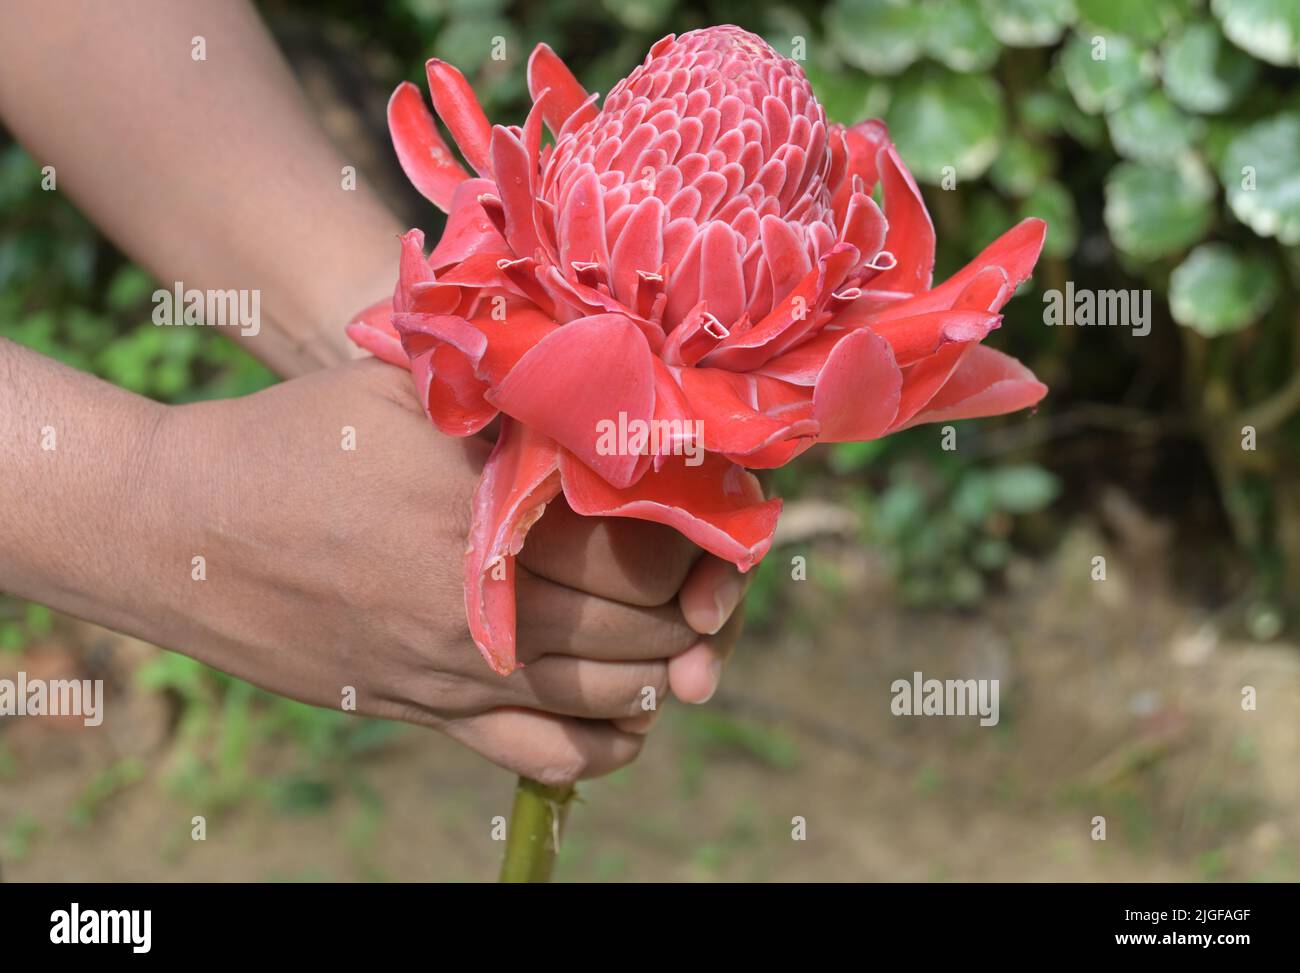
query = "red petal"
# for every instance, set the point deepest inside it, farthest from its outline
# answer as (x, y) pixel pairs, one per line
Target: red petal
(412, 269)
(864, 226)
(922, 380)
(910, 237)
(567, 96)
(745, 413)
(372, 329)
(451, 392)
(520, 478)
(590, 370)
(919, 336)
(425, 157)
(792, 319)
(640, 247)
(672, 408)
(509, 339)
(444, 350)
(863, 143)
(717, 505)
(801, 365)
(511, 164)
(582, 224)
(1014, 253)
(468, 231)
(858, 390)
(456, 104)
(986, 383)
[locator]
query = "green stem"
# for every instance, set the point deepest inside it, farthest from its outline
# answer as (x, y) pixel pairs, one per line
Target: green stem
(533, 836)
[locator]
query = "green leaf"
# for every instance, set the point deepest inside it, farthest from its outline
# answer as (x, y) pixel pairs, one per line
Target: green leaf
(1023, 489)
(39, 620)
(1021, 166)
(1053, 203)
(959, 37)
(849, 96)
(1202, 71)
(856, 456)
(640, 14)
(940, 119)
(1104, 71)
(1042, 111)
(129, 288)
(1152, 129)
(1219, 134)
(1028, 23)
(879, 36)
(984, 219)
(469, 42)
(1217, 290)
(1152, 211)
(1260, 173)
(1269, 29)
(1146, 21)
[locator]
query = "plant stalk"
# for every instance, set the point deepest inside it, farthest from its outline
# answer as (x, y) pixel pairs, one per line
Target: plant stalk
(533, 835)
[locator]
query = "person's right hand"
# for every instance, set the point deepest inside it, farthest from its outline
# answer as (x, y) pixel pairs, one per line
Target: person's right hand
(326, 568)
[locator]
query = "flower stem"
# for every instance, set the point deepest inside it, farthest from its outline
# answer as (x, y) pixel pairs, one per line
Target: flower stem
(533, 836)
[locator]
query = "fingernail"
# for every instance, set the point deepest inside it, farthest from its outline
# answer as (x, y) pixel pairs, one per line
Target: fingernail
(725, 599)
(715, 676)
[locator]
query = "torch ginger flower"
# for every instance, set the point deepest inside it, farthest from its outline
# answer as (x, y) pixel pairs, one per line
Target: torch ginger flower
(703, 248)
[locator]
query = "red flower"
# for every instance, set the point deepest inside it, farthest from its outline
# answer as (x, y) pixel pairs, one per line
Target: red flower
(701, 255)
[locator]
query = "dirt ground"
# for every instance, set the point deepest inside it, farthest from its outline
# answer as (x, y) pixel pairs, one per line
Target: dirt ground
(1119, 699)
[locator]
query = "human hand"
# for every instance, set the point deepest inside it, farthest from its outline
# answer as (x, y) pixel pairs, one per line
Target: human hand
(327, 567)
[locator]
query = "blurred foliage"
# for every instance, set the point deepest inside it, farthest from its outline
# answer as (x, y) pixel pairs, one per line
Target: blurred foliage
(223, 722)
(946, 532)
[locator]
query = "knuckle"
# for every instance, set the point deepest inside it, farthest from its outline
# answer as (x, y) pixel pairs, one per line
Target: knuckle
(662, 571)
(668, 633)
(646, 681)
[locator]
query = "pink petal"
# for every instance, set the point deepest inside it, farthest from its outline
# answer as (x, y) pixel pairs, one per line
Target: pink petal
(640, 247)
(425, 157)
(858, 392)
(468, 231)
(735, 421)
(802, 364)
(910, 237)
(986, 383)
(863, 143)
(924, 379)
(792, 319)
(372, 329)
(567, 96)
(514, 174)
(451, 392)
(1014, 253)
(412, 269)
(717, 505)
(588, 371)
(582, 224)
(457, 105)
(921, 335)
(520, 478)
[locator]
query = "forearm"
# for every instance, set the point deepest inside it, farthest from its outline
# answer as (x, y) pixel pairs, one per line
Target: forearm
(75, 455)
(211, 172)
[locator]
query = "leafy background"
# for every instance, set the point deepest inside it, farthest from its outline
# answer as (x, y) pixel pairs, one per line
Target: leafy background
(1161, 142)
